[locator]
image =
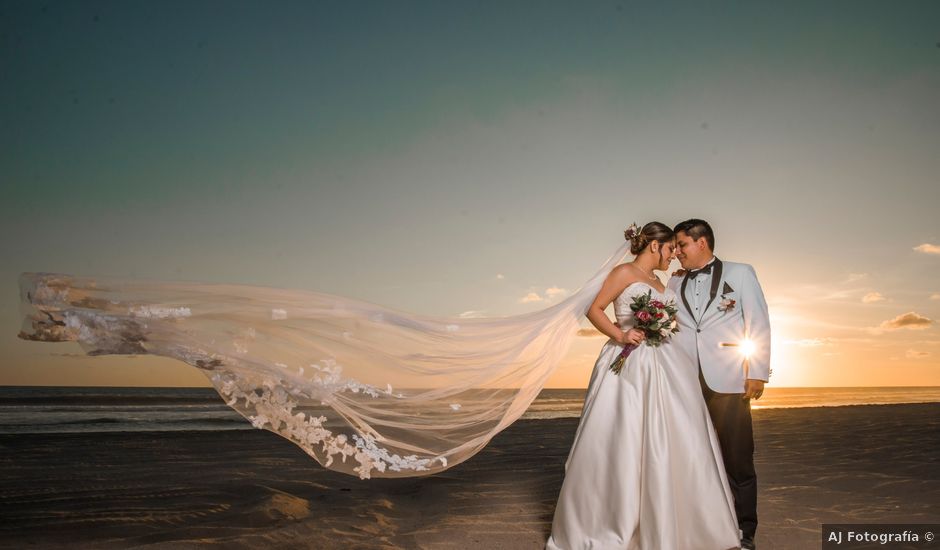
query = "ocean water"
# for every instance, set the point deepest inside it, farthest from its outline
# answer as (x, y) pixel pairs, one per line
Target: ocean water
(44, 409)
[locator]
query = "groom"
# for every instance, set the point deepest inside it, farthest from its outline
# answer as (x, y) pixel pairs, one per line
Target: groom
(723, 322)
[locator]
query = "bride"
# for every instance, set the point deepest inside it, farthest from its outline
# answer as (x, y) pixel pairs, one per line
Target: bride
(645, 469)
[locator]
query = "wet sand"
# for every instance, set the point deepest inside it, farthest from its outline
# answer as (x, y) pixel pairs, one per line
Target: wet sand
(254, 489)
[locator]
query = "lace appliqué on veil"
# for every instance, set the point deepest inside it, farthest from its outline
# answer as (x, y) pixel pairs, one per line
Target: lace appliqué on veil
(274, 406)
(159, 312)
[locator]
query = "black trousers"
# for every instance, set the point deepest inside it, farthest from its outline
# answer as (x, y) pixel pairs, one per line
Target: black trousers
(731, 416)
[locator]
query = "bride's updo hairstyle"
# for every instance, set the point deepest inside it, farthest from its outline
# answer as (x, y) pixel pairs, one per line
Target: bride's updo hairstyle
(641, 238)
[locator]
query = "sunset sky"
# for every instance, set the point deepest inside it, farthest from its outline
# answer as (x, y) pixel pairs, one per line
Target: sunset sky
(479, 159)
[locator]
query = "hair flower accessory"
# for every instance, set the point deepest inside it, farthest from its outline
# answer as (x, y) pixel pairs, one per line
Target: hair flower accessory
(632, 231)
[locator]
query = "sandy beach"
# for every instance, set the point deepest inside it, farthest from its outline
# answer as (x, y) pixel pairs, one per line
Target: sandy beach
(253, 489)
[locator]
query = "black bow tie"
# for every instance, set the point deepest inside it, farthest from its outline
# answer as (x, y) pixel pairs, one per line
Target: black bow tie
(695, 273)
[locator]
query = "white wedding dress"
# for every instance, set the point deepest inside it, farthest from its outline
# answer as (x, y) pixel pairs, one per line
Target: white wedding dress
(645, 469)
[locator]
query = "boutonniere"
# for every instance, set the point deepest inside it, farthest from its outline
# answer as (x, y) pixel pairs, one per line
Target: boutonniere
(727, 304)
(678, 273)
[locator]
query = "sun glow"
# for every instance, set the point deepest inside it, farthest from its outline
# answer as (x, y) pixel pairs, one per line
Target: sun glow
(748, 347)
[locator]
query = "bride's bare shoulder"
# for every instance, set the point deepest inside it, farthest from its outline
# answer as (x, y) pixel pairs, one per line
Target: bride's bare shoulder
(622, 277)
(627, 273)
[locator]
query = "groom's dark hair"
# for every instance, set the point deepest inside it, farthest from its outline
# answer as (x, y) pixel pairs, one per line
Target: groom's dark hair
(697, 229)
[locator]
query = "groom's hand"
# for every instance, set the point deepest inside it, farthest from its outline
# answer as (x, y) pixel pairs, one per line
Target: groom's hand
(753, 389)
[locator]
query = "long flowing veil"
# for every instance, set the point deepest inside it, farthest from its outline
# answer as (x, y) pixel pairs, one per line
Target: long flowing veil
(363, 389)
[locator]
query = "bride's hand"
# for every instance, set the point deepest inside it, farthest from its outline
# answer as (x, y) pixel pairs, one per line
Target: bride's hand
(634, 336)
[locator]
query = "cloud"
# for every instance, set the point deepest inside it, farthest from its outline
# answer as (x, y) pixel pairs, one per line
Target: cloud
(873, 297)
(530, 297)
(555, 291)
(550, 293)
(500, 276)
(471, 314)
(914, 354)
(909, 320)
(810, 342)
(927, 248)
(847, 291)
(935, 296)
(839, 294)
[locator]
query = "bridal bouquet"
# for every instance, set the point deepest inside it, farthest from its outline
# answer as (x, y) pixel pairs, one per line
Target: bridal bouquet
(655, 318)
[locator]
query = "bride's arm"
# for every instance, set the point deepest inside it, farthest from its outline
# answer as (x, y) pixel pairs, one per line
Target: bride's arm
(616, 282)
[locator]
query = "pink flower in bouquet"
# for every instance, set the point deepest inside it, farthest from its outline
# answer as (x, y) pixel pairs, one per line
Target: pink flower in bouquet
(657, 304)
(660, 315)
(644, 316)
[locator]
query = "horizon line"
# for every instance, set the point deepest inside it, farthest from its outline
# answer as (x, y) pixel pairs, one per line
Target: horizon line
(577, 388)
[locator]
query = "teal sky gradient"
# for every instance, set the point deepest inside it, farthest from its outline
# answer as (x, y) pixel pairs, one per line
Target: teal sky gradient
(410, 153)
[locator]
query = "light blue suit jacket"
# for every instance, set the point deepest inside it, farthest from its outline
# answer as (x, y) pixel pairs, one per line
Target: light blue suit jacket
(714, 337)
